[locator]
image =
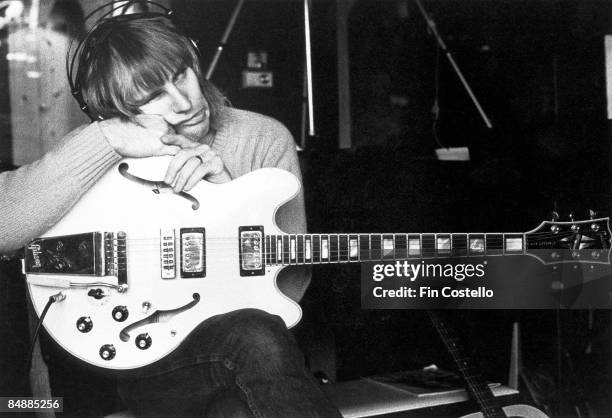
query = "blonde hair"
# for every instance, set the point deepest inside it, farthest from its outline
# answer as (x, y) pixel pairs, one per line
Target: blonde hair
(131, 56)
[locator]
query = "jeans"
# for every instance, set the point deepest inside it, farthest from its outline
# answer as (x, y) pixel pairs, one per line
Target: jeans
(242, 363)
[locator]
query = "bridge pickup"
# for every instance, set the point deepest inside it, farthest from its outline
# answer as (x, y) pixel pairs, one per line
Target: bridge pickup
(193, 253)
(251, 250)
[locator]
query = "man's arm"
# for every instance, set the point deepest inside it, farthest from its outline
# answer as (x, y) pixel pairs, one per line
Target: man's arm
(35, 196)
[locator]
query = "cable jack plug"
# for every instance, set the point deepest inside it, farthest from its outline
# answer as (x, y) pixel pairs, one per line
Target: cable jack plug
(58, 297)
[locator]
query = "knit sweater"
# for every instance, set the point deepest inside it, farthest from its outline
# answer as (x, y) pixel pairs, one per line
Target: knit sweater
(36, 196)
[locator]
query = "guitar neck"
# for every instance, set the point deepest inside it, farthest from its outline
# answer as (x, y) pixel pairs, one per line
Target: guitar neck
(476, 385)
(290, 249)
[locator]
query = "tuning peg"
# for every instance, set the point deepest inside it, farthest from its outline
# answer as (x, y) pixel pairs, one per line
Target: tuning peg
(554, 216)
(571, 216)
(591, 214)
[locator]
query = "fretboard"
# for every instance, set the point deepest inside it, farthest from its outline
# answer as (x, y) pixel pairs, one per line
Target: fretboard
(290, 249)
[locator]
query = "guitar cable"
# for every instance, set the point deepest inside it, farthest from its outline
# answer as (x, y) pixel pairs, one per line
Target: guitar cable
(58, 297)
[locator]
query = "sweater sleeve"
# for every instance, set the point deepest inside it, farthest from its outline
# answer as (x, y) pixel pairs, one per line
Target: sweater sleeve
(37, 195)
(291, 217)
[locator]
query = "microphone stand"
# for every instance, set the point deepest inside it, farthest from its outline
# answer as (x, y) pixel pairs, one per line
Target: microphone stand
(434, 31)
(226, 34)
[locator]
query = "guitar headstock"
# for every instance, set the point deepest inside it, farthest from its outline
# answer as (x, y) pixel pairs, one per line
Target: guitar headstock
(571, 241)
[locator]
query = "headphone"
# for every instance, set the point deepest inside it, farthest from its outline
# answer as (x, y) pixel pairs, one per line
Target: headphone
(78, 57)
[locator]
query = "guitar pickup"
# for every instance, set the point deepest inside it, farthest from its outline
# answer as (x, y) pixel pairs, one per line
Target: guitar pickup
(251, 251)
(193, 253)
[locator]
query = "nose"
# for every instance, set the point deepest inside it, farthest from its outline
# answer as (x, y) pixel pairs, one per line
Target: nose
(179, 100)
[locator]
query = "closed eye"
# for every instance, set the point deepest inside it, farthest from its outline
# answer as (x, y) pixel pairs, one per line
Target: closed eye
(180, 75)
(148, 99)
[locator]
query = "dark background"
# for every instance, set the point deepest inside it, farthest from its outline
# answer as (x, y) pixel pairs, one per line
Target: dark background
(537, 68)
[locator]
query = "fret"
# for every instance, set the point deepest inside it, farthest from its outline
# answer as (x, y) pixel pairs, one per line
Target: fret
(300, 249)
(343, 247)
(375, 247)
(364, 247)
(286, 249)
(333, 248)
(476, 244)
(267, 250)
(292, 248)
(443, 244)
(316, 248)
(388, 247)
(273, 259)
(325, 248)
(414, 245)
(308, 249)
(428, 243)
(353, 243)
(401, 246)
(494, 244)
(459, 245)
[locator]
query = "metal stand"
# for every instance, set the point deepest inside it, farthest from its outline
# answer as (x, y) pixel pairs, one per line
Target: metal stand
(226, 34)
(434, 31)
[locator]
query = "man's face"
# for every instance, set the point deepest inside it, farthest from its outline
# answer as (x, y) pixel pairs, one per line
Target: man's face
(181, 103)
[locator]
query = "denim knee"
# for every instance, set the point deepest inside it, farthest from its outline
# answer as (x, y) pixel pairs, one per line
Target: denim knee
(254, 331)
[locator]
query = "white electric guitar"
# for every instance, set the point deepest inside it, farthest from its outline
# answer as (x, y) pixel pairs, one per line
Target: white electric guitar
(140, 266)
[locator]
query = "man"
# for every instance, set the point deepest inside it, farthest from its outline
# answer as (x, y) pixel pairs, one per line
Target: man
(243, 363)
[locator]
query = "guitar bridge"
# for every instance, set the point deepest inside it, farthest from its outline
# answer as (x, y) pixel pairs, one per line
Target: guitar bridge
(87, 254)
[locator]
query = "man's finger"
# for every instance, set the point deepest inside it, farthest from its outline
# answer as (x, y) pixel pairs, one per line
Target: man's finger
(168, 150)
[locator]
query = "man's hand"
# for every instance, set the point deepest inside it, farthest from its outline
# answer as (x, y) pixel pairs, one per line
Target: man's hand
(140, 137)
(193, 163)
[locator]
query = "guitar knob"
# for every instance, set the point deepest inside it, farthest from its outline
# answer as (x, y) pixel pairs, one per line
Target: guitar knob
(595, 227)
(554, 229)
(143, 341)
(84, 324)
(575, 228)
(107, 352)
(120, 313)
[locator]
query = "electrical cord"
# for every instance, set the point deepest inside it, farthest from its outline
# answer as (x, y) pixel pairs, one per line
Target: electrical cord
(58, 297)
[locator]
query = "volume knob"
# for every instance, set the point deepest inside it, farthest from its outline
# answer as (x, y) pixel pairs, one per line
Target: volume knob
(84, 324)
(143, 341)
(107, 352)
(120, 313)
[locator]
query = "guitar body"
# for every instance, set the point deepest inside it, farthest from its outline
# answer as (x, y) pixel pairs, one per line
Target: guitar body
(117, 204)
(522, 411)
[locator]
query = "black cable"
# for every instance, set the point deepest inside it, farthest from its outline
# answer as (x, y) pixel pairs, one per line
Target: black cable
(52, 299)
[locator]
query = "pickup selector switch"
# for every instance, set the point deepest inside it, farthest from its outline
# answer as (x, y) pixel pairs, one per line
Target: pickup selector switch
(143, 341)
(84, 324)
(120, 313)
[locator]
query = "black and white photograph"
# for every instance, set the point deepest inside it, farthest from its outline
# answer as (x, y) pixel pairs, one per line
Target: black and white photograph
(306, 208)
